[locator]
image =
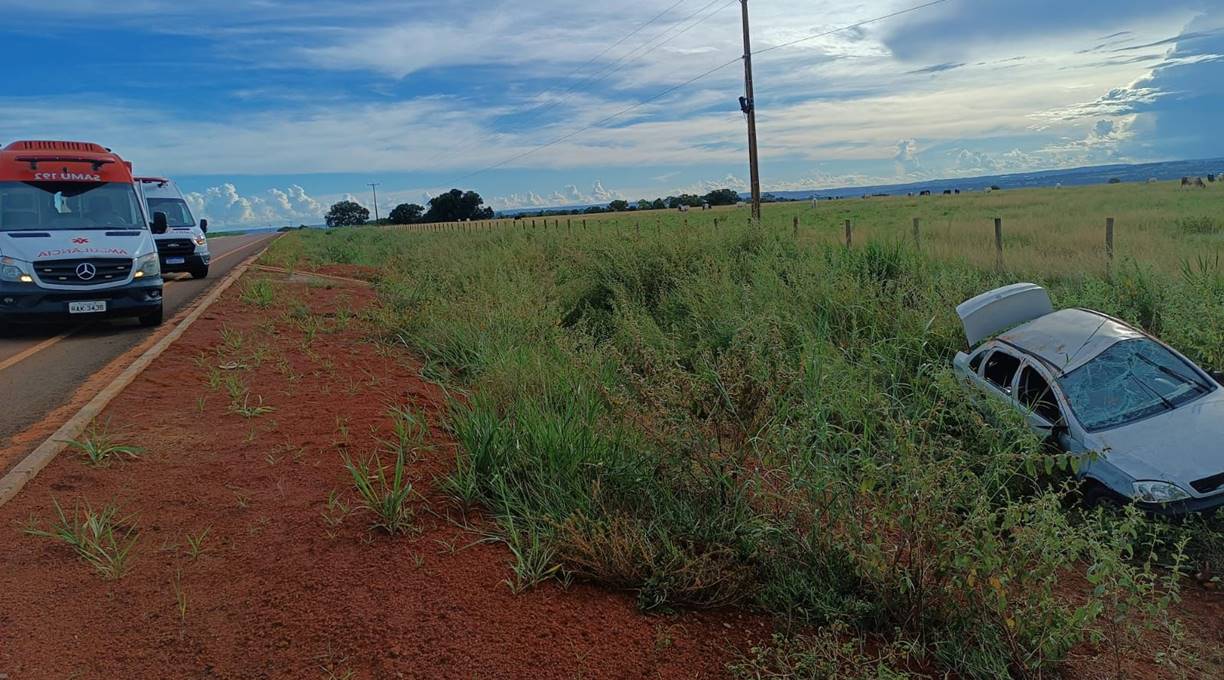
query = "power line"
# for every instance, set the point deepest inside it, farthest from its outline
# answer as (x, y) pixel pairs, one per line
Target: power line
(626, 59)
(622, 41)
(860, 24)
(621, 63)
(564, 94)
(690, 81)
(601, 121)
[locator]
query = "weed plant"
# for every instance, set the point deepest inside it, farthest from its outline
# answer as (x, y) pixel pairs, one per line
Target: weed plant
(102, 538)
(100, 447)
(385, 490)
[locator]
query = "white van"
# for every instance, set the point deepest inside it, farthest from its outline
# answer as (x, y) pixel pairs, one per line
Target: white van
(184, 246)
(76, 241)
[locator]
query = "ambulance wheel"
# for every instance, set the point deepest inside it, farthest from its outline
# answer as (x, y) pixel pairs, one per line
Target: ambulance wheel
(200, 272)
(152, 319)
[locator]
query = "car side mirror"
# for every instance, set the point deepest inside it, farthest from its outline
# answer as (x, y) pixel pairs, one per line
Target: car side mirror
(204, 226)
(160, 224)
(1217, 376)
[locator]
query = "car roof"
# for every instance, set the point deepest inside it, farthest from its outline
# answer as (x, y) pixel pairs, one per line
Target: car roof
(1069, 338)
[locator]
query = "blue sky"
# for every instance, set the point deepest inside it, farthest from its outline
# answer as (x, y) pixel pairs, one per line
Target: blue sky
(269, 111)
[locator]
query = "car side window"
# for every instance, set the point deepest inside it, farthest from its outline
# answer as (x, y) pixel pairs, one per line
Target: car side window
(1035, 394)
(1001, 369)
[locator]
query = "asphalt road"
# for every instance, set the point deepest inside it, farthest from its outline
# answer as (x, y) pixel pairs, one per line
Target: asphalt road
(42, 366)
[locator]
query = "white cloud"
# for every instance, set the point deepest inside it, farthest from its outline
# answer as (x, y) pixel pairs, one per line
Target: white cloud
(570, 194)
(906, 157)
(224, 206)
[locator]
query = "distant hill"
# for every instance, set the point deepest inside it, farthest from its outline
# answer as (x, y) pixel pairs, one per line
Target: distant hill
(1100, 174)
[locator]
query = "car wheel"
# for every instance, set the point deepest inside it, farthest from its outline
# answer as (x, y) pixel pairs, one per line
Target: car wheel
(1098, 496)
(152, 319)
(199, 273)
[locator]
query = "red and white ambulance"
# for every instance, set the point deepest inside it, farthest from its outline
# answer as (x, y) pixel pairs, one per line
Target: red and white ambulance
(76, 241)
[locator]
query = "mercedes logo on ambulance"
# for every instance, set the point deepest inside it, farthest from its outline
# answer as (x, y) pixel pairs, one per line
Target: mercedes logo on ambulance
(86, 271)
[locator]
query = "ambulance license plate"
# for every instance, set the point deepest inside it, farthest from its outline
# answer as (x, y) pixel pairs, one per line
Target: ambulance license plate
(87, 307)
(176, 260)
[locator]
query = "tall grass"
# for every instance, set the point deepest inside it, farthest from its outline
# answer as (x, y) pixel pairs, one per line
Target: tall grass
(736, 417)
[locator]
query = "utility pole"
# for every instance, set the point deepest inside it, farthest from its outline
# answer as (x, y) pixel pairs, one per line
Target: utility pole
(748, 106)
(374, 188)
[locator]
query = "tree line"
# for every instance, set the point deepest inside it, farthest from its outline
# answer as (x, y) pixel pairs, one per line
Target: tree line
(457, 205)
(453, 206)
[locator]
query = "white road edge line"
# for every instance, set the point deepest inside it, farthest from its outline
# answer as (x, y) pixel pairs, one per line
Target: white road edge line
(34, 462)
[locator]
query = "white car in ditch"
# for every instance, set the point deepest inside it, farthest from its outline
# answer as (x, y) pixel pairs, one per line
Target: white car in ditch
(1096, 385)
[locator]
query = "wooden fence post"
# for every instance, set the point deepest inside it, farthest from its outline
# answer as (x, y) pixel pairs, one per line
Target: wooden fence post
(917, 229)
(1109, 238)
(796, 226)
(999, 243)
(849, 233)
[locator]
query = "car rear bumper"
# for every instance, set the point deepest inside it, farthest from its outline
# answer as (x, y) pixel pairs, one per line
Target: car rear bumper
(28, 303)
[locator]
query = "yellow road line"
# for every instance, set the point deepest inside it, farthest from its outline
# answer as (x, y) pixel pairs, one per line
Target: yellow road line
(16, 359)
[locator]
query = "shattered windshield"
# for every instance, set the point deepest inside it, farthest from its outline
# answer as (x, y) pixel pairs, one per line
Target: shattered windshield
(1133, 379)
(64, 206)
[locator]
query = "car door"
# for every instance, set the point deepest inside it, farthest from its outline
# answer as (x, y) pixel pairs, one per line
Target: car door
(1042, 405)
(998, 372)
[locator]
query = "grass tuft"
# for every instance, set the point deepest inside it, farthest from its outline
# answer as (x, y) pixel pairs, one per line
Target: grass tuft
(101, 538)
(100, 446)
(384, 490)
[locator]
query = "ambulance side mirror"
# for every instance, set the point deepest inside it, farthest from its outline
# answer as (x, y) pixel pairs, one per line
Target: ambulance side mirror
(204, 226)
(160, 225)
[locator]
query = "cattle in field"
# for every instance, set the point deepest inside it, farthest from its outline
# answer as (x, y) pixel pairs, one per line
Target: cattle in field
(1198, 183)
(956, 191)
(1211, 178)
(947, 192)
(1185, 181)
(1152, 180)
(925, 192)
